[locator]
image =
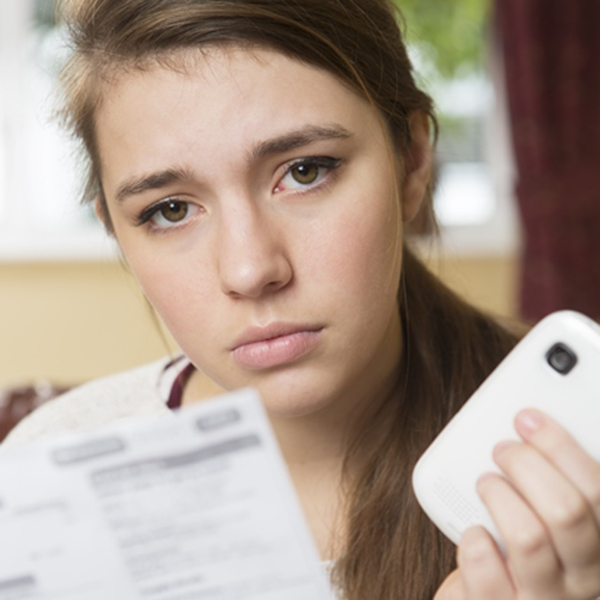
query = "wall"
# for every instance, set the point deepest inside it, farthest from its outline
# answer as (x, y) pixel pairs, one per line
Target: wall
(489, 282)
(72, 322)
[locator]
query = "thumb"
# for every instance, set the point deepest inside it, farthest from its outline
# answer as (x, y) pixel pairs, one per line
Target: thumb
(452, 588)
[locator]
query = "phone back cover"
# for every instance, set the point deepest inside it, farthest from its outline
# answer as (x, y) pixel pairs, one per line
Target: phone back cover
(445, 477)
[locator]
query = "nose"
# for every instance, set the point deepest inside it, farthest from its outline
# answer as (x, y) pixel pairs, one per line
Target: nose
(252, 256)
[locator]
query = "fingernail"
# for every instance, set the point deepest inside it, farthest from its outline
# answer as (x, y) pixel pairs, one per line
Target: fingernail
(502, 446)
(486, 477)
(529, 420)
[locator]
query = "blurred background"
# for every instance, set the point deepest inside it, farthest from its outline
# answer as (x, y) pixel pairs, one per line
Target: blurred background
(517, 89)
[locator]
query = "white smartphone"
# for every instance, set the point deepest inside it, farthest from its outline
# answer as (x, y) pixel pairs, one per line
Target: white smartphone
(555, 368)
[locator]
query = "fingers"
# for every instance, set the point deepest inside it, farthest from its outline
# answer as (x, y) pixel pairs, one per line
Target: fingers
(548, 515)
(568, 520)
(561, 449)
(452, 588)
(482, 568)
(535, 565)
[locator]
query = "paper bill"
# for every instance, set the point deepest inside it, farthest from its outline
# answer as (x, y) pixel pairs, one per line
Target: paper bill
(194, 506)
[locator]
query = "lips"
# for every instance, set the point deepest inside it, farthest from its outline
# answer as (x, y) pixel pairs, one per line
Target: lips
(275, 345)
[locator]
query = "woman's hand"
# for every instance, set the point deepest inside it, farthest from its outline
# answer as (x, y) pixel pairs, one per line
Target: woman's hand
(547, 511)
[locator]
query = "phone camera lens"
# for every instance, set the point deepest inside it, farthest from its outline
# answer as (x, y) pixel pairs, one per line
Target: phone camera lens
(561, 358)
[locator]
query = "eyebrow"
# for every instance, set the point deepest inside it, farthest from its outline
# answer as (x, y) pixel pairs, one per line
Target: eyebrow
(277, 145)
(154, 181)
(298, 138)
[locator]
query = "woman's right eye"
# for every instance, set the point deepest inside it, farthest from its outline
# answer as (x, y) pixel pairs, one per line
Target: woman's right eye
(168, 214)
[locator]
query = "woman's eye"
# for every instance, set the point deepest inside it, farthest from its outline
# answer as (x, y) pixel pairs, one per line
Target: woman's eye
(167, 214)
(306, 173)
(173, 211)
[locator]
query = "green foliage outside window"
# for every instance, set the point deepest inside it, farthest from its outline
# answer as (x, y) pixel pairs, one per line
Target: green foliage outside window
(449, 34)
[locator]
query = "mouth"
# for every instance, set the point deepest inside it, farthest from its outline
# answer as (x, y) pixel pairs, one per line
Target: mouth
(274, 345)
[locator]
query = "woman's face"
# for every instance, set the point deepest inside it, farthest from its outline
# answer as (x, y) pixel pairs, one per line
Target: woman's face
(254, 198)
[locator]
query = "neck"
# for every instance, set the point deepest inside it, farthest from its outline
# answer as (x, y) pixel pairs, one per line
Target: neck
(322, 437)
(315, 449)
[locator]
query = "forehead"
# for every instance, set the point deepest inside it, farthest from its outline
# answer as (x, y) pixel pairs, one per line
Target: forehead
(216, 105)
(213, 62)
(219, 78)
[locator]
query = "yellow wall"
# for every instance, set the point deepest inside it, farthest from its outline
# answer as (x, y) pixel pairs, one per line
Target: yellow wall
(490, 282)
(72, 322)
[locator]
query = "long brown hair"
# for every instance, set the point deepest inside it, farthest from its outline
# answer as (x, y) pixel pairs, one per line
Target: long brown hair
(392, 551)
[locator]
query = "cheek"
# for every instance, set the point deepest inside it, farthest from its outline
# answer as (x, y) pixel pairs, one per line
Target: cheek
(177, 288)
(359, 251)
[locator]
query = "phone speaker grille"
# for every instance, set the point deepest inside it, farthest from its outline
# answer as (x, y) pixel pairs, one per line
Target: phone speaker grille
(465, 511)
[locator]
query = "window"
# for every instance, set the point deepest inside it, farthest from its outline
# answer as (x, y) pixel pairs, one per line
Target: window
(459, 66)
(40, 217)
(474, 197)
(40, 182)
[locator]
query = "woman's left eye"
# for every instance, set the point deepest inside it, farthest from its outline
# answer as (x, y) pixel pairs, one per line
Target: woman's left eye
(168, 214)
(306, 173)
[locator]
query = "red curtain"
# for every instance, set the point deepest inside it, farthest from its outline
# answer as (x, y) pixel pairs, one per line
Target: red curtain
(551, 54)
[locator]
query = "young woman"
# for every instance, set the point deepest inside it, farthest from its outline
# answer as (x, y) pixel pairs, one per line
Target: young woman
(257, 162)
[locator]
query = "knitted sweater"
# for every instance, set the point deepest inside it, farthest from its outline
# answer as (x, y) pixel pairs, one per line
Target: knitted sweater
(139, 392)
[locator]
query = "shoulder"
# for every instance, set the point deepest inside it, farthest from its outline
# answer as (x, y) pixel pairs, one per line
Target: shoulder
(131, 393)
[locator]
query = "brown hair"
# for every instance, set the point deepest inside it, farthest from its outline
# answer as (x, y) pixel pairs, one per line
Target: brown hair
(392, 550)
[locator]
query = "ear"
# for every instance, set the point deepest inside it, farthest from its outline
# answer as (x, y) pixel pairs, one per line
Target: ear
(417, 165)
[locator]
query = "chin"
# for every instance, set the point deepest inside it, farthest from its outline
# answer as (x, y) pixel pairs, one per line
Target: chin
(288, 392)
(295, 399)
